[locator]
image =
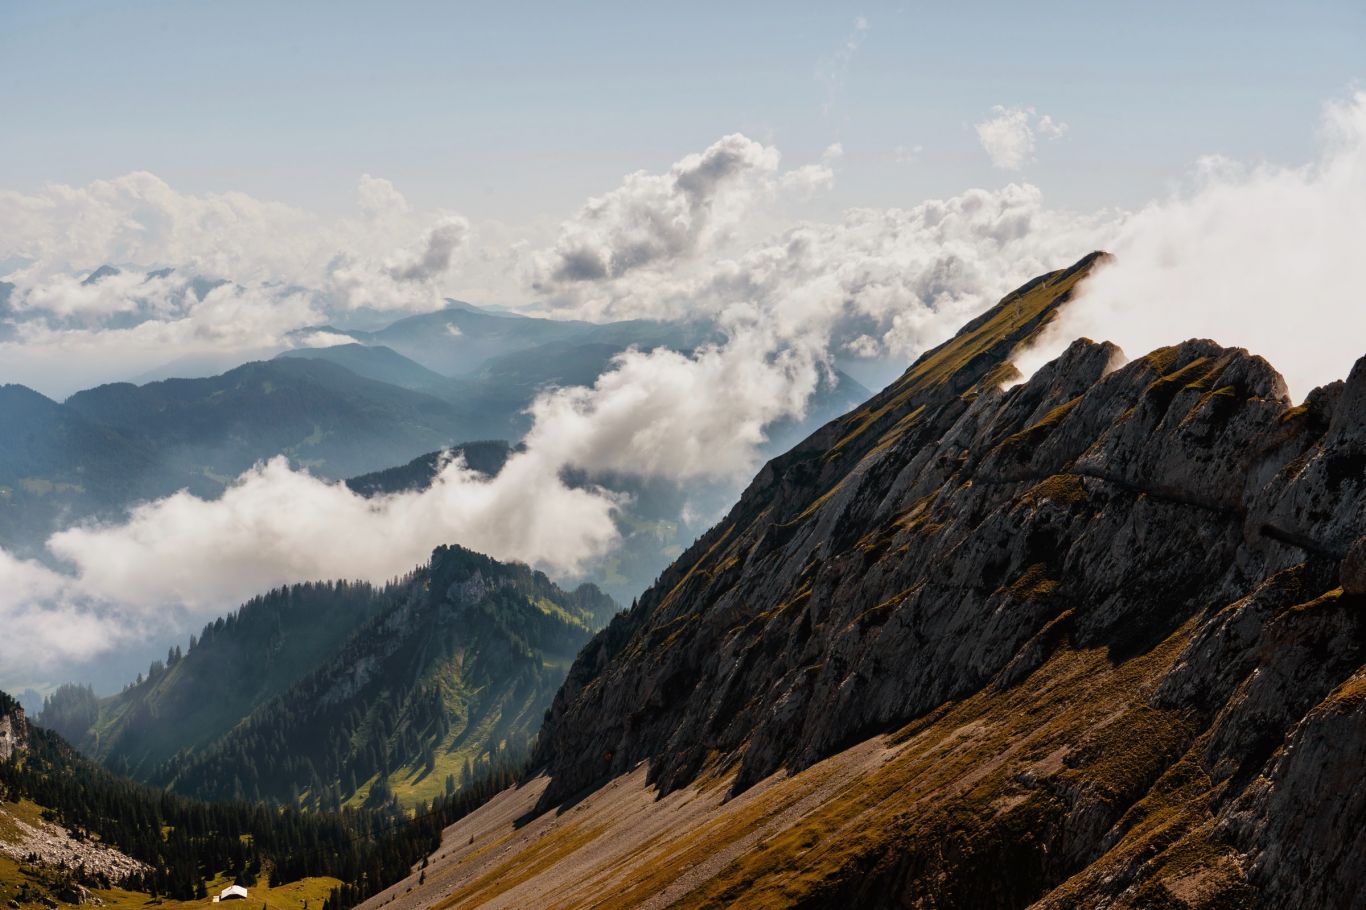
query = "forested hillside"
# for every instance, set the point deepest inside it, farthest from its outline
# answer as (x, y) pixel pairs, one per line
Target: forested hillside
(177, 844)
(234, 665)
(324, 695)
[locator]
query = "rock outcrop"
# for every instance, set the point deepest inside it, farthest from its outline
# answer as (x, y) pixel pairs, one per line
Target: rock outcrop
(13, 728)
(955, 535)
(52, 846)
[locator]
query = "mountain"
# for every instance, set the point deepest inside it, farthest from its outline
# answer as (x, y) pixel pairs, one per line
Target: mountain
(55, 462)
(340, 411)
(332, 694)
(485, 456)
(378, 363)
(461, 339)
(493, 365)
(106, 448)
(324, 416)
(1092, 639)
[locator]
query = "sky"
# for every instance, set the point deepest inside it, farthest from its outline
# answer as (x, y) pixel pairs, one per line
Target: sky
(520, 111)
(822, 186)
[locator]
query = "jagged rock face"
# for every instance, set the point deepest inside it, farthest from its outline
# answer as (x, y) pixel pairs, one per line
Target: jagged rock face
(950, 535)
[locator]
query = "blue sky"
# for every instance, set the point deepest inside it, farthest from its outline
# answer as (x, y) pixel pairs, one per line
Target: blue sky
(512, 111)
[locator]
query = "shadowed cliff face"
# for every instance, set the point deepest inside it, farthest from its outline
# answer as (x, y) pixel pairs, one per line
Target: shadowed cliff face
(951, 538)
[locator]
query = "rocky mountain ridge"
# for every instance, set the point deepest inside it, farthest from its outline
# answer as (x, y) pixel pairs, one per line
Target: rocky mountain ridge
(955, 537)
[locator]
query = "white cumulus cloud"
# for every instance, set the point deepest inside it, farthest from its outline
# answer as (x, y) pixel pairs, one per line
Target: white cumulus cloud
(655, 219)
(1010, 135)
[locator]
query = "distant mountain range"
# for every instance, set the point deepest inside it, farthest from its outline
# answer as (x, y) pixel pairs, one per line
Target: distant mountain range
(342, 411)
(462, 339)
(108, 447)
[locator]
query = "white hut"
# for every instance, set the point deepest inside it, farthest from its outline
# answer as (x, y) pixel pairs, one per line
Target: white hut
(232, 893)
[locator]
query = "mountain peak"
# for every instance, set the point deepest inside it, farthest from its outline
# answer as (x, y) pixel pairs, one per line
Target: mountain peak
(104, 271)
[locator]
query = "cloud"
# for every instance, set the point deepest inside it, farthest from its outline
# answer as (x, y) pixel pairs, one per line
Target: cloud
(324, 339)
(654, 219)
(406, 280)
(181, 559)
(49, 622)
(69, 336)
(1262, 257)
(207, 553)
(141, 220)
(442, 242)
(904, 277)
(288, 268)
(1011, 134)
(682, 417)
(379, 198)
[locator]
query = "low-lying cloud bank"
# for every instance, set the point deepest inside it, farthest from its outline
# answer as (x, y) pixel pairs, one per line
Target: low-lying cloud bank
(182, 559)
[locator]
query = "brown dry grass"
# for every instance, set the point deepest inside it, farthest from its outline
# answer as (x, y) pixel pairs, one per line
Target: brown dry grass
(981, 774)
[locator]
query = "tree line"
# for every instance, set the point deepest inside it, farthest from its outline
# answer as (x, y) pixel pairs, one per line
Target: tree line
(185, 843)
